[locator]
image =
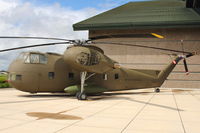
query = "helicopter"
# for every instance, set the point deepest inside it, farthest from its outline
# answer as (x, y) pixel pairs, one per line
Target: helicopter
(83, 69)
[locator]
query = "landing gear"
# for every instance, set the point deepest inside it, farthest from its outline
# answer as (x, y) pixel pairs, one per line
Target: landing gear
(81, 95)
(157, 90)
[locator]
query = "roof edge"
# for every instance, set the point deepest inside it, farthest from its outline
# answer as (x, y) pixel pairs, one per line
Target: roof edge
(144, 26)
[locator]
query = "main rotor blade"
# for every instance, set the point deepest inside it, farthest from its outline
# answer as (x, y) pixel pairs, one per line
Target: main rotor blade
(31, 46)
(41, 38)
(124, 36)
(141, 46)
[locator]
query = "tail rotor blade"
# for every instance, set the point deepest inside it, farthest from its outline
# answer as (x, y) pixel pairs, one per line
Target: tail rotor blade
(185, 65)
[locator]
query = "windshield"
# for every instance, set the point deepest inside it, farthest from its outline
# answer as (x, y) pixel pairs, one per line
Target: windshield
(35, 58)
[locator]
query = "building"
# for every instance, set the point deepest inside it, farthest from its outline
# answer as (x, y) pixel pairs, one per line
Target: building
(134, 22)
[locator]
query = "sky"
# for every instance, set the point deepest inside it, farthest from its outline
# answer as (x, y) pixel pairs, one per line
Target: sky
(46, 18)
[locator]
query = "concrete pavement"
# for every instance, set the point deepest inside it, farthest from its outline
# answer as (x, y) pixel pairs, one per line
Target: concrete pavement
(135, 111)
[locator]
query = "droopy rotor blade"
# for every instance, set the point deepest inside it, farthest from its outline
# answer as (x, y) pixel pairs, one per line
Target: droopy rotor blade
(31, 46)
(141, 35)
(40, 38)
(142, 46)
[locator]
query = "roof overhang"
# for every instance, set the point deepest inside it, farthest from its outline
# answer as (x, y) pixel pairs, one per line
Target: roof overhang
(144, 15)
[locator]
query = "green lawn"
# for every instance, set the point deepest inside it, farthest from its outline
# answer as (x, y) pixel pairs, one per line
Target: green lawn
(3, 81)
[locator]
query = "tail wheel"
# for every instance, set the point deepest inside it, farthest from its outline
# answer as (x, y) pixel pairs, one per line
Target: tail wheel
(157, 90)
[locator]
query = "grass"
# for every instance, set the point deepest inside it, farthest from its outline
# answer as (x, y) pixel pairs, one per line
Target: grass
(3, 81)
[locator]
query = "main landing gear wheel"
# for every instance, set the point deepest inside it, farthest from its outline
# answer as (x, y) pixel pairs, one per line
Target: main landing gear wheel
(157, 90)
(81, 96)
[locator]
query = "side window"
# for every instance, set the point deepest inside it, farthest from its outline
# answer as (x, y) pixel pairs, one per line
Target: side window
(14, 77)
(71, 75)
(105, 76)
(18, 77)
(116, 76)
(51, 75)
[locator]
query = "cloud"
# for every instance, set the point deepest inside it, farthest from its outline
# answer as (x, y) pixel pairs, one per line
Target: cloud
(109, 4)
(26, 19)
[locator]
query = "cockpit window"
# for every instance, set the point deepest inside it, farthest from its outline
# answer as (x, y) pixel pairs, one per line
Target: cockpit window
(27, 58)
(24, 57)
(35, 58)
(43, 59)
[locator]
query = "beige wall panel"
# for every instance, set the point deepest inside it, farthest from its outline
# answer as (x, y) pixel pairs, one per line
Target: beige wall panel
(161, 59)
(124, 50)
(173, 34)
(155, 59)
(183, 76)
(181, 84)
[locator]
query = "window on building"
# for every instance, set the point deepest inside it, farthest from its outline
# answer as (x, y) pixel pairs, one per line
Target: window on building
(71, 75)
(116, 76)
(51, 75)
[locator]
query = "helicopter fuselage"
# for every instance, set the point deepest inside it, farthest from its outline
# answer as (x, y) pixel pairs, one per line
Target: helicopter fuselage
(49, 72)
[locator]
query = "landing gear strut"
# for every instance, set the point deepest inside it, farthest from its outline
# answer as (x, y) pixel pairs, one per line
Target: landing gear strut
(81, 95)
(157, 90)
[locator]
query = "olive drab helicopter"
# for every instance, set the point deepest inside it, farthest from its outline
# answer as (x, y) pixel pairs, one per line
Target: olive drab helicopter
(83, 69)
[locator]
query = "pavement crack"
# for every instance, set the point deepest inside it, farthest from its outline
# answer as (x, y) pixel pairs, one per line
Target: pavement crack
(179, 112)
(88, 116)
(142, 108)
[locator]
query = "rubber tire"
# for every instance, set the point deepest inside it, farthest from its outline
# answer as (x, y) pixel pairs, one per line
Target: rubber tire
(157, 90)
(78, 95)
(83, 96)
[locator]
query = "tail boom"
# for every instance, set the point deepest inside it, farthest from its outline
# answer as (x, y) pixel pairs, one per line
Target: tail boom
(162, 76)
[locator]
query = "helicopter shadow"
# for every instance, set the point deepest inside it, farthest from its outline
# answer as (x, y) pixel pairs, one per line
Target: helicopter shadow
(103, 96)
(52, 95)
(117, 96)
(57, 96)
(43, 97)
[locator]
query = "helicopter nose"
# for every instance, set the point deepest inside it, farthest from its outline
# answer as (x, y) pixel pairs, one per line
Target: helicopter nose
(23, 81)
(15, 80)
